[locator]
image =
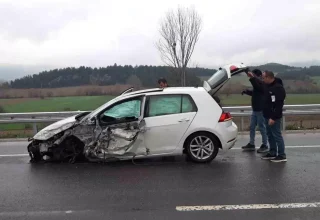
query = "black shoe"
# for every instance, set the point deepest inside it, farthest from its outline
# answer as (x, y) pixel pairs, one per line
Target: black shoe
(263, 149)
(249, 147)
(279, 159)
(268, 156)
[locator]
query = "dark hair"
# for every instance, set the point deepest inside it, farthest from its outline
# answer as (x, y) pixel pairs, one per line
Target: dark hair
(162, 80)
(269, 74)
(257, 72)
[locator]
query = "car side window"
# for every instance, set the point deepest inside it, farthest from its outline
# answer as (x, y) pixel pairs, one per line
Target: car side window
(130, 109)
(169, 104)
(188, 104)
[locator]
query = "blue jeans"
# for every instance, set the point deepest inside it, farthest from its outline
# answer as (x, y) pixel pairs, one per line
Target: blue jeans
(258, 119)
(275, 138)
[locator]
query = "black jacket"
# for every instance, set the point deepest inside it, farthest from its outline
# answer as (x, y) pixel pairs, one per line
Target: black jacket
(257, 94)
(275, 95)
(278, 80)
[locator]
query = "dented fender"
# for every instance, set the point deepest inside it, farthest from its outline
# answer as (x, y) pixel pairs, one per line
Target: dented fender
(55, 128)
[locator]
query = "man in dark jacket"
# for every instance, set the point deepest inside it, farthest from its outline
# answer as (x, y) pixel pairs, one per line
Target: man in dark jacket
(275, 95)
(257, 104)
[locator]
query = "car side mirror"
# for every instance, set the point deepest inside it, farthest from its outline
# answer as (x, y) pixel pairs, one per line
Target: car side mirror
(93, 120)
(142, 123)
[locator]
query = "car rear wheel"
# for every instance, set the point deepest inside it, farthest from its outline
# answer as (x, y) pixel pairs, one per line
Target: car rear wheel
(202, 147)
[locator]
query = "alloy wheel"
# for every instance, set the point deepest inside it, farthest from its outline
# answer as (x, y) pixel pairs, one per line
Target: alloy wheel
(201, 147)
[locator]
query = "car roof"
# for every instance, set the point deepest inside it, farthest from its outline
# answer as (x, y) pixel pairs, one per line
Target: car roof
(168, 90)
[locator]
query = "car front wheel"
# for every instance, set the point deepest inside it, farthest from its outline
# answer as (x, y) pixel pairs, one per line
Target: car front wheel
(202, 147)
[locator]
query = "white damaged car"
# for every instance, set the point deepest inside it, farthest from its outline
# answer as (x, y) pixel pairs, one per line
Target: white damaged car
(145, 123)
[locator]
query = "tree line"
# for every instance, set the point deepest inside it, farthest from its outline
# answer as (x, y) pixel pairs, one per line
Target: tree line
(142, 76)
(146, 76)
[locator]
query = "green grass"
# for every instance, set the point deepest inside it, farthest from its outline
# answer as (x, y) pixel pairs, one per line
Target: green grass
(9, 127)
(82, 103)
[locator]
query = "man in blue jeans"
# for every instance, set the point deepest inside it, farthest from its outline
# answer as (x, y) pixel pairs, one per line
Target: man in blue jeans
(257, 103)
(275, 95)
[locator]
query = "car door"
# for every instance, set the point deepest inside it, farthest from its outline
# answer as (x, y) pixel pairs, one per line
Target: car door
(167, 118)
(121, 117)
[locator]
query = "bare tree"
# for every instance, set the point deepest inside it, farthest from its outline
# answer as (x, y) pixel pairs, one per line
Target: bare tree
(179, 34)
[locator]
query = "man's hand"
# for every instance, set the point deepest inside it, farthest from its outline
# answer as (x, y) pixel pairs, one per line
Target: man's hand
(271, 122)
(244, 92)
(250, 74)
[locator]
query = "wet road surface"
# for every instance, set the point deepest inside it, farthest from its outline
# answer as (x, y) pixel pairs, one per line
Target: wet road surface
(156, 189)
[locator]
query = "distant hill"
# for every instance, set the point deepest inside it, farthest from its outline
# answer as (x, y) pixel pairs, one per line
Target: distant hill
(290, 72)
(146, 76)
(277, 68)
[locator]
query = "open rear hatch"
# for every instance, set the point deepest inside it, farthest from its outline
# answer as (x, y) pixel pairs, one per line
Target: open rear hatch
(221, 77)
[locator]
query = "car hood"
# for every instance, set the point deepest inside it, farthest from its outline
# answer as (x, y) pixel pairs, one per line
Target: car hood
(223, 74)
(55, 128)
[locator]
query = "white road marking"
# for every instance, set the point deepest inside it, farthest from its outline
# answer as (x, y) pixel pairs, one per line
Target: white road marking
(306, 146)
(14, 155)
(298, 146)
(249, 207)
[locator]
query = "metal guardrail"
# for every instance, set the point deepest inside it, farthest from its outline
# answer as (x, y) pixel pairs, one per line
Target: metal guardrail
(236, 111)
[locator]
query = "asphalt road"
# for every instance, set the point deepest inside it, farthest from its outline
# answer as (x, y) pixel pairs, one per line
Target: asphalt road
(156, 189)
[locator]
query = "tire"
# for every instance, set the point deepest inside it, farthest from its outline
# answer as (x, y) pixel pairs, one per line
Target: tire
(202, 147)
(34, 153)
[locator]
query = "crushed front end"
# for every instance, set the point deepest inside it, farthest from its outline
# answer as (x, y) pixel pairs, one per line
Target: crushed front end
(82, 142)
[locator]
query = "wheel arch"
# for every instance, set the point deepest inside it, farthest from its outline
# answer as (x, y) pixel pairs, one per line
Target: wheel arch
(76, 138)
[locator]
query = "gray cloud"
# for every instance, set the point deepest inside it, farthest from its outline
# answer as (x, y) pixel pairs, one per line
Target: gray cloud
(38, 20)
(99, 33)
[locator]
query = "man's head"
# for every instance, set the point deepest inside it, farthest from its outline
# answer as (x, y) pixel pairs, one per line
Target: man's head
(257, 73)
(268, 77)
(162, 83)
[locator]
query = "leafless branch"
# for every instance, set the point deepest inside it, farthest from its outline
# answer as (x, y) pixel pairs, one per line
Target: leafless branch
(179, 33)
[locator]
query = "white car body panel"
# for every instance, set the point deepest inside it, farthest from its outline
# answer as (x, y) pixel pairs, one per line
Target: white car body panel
(164, 132)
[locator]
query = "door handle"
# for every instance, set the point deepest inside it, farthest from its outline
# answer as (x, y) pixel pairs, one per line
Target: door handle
(183, 120)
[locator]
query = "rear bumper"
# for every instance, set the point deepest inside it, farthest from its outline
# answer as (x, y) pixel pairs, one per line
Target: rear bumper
(229, 145)
(229, 135)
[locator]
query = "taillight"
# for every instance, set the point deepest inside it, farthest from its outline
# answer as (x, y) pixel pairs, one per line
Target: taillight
(225, 116)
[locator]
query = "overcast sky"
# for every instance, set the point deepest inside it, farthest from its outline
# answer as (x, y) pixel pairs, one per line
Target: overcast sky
(99, 33)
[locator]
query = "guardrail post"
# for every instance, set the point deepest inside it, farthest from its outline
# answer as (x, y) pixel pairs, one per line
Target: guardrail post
(283, 123)
(242, 123)
(35, 128)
